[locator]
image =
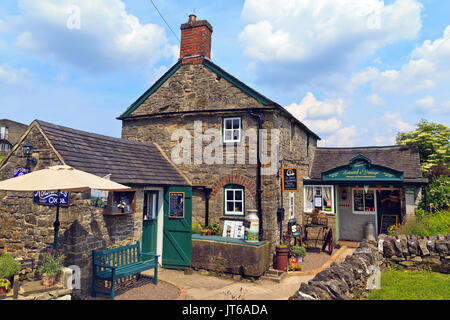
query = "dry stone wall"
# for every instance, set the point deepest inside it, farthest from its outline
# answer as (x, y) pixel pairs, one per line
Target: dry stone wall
(353, 278)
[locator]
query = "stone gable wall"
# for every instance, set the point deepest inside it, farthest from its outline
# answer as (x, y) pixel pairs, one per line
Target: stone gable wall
(26, 228)
(195, 88)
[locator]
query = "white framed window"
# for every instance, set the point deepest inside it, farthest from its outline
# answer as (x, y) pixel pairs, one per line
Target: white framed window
(3, 133)
(320, 197)
(234, 196)
(232, 130)
(364, 202)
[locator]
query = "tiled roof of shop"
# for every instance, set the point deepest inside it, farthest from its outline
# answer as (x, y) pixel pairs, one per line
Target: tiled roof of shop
(401, 158)
(128, 162)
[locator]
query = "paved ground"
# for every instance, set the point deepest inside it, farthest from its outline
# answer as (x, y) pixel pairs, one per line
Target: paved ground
(174, 284)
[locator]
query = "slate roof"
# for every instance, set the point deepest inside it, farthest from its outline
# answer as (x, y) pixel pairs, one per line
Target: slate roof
(128, 162)
(400, 158)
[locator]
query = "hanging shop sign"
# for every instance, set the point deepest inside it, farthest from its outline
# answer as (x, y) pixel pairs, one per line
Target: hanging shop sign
(176, 205)
(47, 198)
(361, 169)
(290, 179)
(20, 171)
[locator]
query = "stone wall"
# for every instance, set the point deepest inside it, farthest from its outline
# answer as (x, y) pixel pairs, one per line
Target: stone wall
(14, 132)
(26, 228)
(195, 93)
(417, 253)
(353, 278)
(346, 280)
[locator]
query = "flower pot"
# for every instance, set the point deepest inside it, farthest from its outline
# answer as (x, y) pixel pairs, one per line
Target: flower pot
(299, 259)
(48, 281)
(282, 258)
(3, 291)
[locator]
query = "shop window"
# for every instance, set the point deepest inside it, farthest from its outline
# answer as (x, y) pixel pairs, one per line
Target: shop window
(364, 202)
(232, 130)
(234, 203)
(320, 197)
(121, 203)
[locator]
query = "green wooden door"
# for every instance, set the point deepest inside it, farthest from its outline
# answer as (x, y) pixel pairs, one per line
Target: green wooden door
(150, 222)
(177, 235)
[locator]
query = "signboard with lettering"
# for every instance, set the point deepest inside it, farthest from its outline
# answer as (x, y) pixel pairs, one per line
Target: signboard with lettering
(361, 169)
(290, 179)
(176, 205)
(20, 171)
(388, 220)
(50, 198)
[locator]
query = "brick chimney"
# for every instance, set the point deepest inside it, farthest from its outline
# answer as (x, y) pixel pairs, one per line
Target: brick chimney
(195, 40)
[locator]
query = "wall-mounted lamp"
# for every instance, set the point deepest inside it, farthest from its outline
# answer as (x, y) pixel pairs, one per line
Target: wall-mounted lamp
(27, 153)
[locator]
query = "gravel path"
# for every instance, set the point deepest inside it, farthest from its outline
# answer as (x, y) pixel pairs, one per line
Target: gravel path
(144, 289)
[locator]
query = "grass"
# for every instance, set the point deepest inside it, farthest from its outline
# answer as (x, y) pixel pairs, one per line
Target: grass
(427, 224)
(412, 285)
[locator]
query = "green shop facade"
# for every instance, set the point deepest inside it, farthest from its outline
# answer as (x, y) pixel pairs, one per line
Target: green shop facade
(366, 189)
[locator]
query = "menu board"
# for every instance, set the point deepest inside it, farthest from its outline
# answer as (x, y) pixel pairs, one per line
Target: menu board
(176, 205)
(290, 179)
(388, 220)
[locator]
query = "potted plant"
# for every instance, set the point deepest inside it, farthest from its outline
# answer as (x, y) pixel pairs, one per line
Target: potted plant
(50, 267)
(9, 267)
(215, 228)
(298, 252)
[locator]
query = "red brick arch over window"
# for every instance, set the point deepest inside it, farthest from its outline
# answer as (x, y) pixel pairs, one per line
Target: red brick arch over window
(234, 178)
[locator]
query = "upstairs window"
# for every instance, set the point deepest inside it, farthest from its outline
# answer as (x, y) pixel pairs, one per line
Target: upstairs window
(3, 131)
(232, 130)
(234, 196)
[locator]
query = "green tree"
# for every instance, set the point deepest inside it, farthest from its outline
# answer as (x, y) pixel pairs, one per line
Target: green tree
(433, 141)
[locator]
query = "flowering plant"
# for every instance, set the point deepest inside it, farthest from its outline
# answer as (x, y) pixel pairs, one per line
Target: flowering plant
(4, 283)
(52, 263)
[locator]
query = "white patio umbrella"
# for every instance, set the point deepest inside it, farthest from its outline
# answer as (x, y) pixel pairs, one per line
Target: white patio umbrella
(59, 178)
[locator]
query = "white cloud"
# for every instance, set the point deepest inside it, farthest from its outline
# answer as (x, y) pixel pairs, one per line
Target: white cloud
(10, 75)
(344, 137)
(376, 100)
(319, 116)
(429, 64)
(303, 33)
(387, 127)
(108, 38)
(426, 102)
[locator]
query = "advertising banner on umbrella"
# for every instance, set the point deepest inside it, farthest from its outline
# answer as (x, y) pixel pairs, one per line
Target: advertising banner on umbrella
(50, 198)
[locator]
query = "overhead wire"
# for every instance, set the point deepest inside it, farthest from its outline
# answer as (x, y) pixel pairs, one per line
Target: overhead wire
(154, 5)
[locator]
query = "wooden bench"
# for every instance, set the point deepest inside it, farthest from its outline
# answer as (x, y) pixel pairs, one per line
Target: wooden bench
(113, 264)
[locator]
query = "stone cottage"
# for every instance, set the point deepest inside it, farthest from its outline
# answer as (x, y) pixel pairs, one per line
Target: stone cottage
(208, 122)
(10, 133)
(26, 219)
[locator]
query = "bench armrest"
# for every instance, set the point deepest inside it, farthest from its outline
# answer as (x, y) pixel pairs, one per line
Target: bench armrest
(149, 254)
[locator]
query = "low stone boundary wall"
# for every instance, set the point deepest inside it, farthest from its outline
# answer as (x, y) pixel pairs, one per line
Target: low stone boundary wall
(357, 274)
(417, 253)
(345, 280)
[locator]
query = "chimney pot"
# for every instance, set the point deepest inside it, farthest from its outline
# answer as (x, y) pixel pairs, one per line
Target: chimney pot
(195, 40)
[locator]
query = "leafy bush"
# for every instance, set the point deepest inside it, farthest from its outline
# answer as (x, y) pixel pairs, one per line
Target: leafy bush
(438, 194)
(4, 283)
(197, 228)
(52, 263)
(9, 266)
(298, 251)
(426, 224)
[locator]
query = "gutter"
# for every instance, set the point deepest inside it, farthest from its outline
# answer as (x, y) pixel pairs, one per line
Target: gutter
(258, 173)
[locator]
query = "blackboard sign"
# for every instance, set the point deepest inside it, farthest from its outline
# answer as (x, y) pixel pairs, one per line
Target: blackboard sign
(290, 179)
(388, 220)
(176, 205)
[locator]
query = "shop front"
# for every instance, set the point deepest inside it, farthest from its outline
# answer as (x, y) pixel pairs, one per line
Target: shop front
(367, 194)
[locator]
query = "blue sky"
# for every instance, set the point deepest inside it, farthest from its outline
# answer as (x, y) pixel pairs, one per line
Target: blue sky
(354, 71)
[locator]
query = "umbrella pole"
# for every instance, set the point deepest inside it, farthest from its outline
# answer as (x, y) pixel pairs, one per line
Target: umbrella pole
(56, 224)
